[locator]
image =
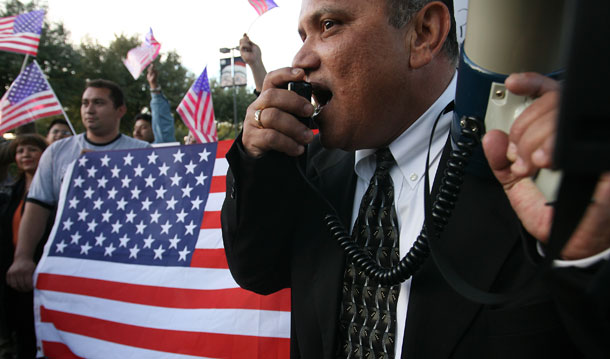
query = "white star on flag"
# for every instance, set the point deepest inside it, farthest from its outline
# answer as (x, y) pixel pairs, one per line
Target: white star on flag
(144, 267)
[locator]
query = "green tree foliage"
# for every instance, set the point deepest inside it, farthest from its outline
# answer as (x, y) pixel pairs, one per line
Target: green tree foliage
(223, 107)
(107, 63)
(68, 67)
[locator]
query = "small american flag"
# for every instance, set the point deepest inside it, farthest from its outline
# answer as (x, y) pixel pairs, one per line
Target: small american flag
(197, 110)
(29, 98)
(21, 33)
(262, 6)
(135, 267)
(140, 57)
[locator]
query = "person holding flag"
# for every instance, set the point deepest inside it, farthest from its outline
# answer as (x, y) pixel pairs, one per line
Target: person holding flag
(251, 53)
(159, 126)
(102, 108)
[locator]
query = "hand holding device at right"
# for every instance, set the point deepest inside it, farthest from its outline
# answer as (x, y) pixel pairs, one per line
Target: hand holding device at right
(271, 121)
(514, 158)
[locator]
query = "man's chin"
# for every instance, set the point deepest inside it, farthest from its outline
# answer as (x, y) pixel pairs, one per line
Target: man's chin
(330, 140)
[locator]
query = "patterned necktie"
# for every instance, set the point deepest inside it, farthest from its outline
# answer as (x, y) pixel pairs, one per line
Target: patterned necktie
(368, 309)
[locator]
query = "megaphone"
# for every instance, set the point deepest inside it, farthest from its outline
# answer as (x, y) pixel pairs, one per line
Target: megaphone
(503, 37)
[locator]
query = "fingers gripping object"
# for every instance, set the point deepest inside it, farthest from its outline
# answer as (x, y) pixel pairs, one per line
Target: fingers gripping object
(257, 118)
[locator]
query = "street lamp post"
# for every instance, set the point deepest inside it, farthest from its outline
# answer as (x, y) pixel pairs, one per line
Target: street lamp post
(226, 50)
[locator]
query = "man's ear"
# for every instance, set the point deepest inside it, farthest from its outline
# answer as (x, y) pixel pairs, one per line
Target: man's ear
(122, 110)
(430, 27)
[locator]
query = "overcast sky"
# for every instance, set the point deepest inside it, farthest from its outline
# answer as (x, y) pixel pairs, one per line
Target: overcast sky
(195, 29)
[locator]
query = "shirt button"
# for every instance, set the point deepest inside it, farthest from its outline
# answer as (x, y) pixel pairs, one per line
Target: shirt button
(413, 177)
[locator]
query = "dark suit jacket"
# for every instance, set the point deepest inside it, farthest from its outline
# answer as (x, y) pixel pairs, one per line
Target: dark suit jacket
(275, 238)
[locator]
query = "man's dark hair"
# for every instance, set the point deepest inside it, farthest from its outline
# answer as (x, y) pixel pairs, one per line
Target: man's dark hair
(143, 116)
(116, 94)
(402, 11)
(57, 121)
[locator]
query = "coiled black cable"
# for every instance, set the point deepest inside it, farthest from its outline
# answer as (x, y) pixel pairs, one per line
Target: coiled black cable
(442, 208)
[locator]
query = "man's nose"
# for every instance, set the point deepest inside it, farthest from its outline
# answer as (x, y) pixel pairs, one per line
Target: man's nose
(306, 58)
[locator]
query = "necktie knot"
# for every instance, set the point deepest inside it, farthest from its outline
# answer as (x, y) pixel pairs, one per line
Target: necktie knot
(384, 159)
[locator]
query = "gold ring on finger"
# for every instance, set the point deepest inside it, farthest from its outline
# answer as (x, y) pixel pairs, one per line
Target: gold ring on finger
(257, 118)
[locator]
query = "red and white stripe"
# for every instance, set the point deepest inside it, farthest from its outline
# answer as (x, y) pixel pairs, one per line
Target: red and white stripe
(140, 57)
(38, 105)
(24, 43)
(125, 311)
(197, 112)
(259, 5)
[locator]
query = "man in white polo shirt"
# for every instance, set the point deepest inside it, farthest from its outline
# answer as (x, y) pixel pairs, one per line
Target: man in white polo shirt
(102, 108)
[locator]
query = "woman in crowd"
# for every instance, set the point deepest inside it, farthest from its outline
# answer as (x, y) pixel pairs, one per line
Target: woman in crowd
(17, 308)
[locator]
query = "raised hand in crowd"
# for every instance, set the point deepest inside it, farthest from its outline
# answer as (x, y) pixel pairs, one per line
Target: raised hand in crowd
(251, 53)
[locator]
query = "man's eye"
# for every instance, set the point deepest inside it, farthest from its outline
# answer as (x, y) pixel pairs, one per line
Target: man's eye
(327, 24)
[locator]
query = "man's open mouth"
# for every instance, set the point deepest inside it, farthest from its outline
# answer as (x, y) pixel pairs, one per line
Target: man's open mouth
(322, 97)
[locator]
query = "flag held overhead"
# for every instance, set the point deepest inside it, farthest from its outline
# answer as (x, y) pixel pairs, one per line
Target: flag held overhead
(21, 33)
(140, 57)
(262, 6)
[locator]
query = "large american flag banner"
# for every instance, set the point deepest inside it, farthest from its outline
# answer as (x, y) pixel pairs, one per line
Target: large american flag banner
(197, 110)
(262, 6)
(21, 33)
(29, 98)
(140, 57)
(135, 267)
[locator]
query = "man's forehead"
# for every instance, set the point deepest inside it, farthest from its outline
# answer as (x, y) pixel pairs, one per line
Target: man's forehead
(92, 93)
(311, 10)
(141, 122)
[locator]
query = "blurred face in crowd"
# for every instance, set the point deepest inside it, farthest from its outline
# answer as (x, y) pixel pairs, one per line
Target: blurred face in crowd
(99, 114)
(27, 157)
(57, 132)
(142, 130)
(358, 65)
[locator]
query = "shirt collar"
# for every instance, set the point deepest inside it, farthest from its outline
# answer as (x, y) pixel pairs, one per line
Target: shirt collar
(410, 148)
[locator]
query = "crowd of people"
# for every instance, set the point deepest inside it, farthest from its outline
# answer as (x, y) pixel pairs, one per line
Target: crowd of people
(384, 77)
(28, 201)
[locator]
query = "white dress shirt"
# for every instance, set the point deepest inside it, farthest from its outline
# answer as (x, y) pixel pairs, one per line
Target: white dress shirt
(409, 150)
